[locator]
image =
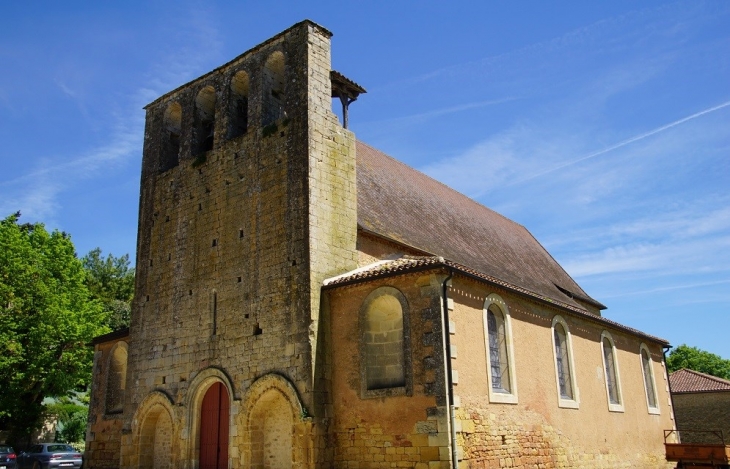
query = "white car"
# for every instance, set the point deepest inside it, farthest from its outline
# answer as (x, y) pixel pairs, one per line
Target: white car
(50, 455)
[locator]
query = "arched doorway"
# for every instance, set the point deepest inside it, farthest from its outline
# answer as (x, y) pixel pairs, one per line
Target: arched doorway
(271, 426)
(214, 421)
(155, 439)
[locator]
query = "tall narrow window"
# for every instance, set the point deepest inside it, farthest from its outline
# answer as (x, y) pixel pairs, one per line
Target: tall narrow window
(610, 366)
(497, 328)
(384, 324)
(204, 120)
(170, 142)
(649, 386)
(238, 112)
(214, 312)
(273, 98)
(564, 364)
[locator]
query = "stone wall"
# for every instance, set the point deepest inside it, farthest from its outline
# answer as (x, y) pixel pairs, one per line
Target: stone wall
(235, 241)
(104, 429)
(708, 411)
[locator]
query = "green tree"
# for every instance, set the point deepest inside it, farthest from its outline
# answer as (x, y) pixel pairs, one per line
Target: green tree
(695, 359)
(70, 414)
(111, 281)
(47, 320)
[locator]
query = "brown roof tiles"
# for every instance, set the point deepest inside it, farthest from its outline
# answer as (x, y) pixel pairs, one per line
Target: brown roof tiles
(685, 380)
(400, 203)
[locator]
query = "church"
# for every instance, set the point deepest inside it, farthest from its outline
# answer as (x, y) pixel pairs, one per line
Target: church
(304, 300)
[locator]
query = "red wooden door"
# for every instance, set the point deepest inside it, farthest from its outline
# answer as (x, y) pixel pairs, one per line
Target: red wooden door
(214, 428)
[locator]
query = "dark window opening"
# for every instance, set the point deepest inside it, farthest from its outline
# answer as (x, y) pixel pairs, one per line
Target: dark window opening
(273, 97)
(170, 142)
(239, 105)
(205, 120)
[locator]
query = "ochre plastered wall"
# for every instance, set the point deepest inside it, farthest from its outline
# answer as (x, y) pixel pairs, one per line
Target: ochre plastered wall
(536, 432)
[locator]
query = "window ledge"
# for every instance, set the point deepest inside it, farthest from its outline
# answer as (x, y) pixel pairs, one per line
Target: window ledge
(385, 392)
(615, 407)
(502, 398)
(568, 404)
(654, 411)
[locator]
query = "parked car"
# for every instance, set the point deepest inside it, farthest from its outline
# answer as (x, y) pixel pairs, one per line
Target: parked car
(8, 459)
(49, 455)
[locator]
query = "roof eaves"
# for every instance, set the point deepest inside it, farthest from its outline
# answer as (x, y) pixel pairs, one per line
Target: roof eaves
(433, 263)
(114, 335)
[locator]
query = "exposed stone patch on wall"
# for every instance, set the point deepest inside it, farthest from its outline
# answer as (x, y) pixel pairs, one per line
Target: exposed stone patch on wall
(508, 436)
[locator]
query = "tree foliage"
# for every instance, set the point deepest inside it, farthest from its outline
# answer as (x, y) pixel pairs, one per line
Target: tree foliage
(47, 320)
(70, 415)
(695, 359)
(111, 281)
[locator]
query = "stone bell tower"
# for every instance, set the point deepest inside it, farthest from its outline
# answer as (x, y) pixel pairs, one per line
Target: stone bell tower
(248, 201)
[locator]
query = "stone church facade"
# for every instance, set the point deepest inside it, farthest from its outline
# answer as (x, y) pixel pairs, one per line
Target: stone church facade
(304, 300)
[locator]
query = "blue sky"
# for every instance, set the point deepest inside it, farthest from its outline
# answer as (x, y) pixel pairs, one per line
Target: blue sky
(602, 128)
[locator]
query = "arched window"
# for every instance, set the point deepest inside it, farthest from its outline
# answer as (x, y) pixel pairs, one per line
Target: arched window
(383, 342)
(610, 366)
(116, 378)
(170, 142)
(204, 120)
(498, 333)
(649, 383)
(564, 372)
(273, 98)
(238, 111)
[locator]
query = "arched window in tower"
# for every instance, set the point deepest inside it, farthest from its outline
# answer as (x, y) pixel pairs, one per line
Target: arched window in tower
(273, 99)
(116, 379)
(204, 120)
(238, 112)
(170, 142)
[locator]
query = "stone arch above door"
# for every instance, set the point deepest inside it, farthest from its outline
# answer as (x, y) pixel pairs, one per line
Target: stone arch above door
(155, 433)
(274, 428)
(199, 386)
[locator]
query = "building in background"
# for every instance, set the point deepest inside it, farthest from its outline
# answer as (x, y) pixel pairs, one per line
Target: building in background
(305, 301)
(701, 406)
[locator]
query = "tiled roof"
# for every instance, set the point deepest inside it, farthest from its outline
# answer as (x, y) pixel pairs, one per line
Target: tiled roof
(400, 203)
(686, 380)
(416, 263)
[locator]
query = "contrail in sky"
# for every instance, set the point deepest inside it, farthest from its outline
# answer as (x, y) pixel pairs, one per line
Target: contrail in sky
(627, 141)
